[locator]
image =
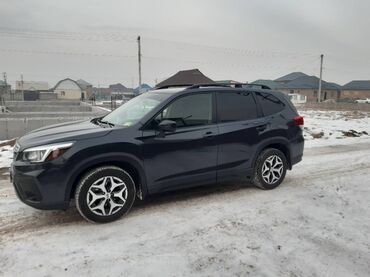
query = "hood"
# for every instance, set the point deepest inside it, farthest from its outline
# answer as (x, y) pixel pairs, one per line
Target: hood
(69, 131)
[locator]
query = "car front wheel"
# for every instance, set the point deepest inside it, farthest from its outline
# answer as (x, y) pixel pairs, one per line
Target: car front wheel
(105, 194)
(270, 169)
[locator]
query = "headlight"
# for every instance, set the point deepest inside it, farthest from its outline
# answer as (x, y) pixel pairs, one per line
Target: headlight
(45, 152)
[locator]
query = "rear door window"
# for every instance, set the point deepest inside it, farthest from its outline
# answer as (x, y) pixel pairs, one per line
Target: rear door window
(235, 106)
(269, 103)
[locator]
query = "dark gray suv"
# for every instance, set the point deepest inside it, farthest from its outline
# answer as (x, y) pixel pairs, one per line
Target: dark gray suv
(162, 140)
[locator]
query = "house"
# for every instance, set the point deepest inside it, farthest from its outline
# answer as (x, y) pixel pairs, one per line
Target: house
(68, 89)
(142, 88)
(31, 89)
(309, 87)
(86, 88)
(186, 78)
(302, 87)
(120, 88)
(102, 93)
(290, 77)
(356, 90)
(31, 86)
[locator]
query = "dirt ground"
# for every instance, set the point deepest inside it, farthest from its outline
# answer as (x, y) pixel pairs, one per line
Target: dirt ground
(315, 224)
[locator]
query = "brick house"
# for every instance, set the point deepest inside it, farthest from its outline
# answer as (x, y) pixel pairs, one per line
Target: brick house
(356, 90)
(309, 87)
(289, 77)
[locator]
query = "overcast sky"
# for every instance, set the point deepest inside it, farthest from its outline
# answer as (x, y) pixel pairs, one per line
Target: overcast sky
(232, 39)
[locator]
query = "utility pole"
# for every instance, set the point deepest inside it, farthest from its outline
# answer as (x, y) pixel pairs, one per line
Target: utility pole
(319, 94)
(22, 82)
(5, 82)
(4, 77)
(139, 59)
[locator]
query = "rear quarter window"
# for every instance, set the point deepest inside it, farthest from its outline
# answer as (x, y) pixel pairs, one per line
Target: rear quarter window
(235, 106)
(270, 104)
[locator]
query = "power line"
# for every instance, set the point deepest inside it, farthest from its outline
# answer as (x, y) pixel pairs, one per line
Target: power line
(41, 34)
(193, 62)
(119, 37)
(28, 51)
(216, 63)
(239, 51)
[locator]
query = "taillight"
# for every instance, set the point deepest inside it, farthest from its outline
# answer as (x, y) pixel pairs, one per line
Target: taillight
(298, 120)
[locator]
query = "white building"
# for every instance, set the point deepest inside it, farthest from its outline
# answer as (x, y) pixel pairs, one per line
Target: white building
(297, 98)
(68, 89)
(31, 86)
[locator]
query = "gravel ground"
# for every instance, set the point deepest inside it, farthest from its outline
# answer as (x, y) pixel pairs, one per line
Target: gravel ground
(315, 224)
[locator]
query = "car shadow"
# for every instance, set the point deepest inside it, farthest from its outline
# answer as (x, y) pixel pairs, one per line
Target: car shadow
(190, 194)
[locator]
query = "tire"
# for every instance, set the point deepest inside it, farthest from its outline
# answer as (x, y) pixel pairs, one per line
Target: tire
(105, 194)
(270, 169)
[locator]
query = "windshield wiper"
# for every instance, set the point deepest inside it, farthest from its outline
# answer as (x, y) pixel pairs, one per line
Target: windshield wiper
(106, 123)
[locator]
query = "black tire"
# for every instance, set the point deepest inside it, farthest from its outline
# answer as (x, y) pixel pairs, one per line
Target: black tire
(95, 175)
(257, 178)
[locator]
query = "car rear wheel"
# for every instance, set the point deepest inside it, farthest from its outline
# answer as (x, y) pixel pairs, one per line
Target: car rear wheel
(270, 169)
(105, 194)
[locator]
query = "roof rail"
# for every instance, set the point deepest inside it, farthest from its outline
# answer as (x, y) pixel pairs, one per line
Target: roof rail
(173, 86)
(255, 86)
(237, 85)
(227, 85)
(209, 85)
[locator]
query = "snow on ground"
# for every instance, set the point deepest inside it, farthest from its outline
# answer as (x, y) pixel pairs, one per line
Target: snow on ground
(315, 224)
(335, 127)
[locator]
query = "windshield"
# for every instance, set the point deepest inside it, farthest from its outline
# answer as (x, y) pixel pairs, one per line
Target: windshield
(134, 110)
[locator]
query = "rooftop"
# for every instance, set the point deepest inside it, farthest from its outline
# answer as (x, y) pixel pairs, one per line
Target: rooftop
(290, 77)
(357, 85)
(186, 77)
(309, 82)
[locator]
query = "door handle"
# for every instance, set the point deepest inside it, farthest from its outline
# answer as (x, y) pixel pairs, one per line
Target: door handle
(208, 135)
(261, 128)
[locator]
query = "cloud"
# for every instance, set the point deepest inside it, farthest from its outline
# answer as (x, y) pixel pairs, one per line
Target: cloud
(245, 38)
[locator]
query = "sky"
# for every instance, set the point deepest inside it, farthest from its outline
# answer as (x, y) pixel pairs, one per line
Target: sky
(242, 40)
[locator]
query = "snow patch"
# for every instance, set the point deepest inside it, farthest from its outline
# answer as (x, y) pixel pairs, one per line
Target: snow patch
(6, 156)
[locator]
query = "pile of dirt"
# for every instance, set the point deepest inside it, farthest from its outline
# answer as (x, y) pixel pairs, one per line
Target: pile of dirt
(317, 135)
(10, 142)
(354, 134)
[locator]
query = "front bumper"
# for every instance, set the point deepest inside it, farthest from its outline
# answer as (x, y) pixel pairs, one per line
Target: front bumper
(39, 186)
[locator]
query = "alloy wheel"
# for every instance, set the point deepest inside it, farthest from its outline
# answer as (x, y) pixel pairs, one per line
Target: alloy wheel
(272, 169)
(107, 195)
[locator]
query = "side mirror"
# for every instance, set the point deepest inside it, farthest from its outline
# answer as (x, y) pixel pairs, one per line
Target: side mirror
(167, 126)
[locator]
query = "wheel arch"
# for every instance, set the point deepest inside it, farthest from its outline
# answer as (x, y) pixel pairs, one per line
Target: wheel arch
(132, 165)
(281, 144)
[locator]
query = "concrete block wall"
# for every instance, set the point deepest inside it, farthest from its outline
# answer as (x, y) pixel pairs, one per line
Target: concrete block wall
(43, 103)
(50, 108)
(16, 127)
(48, 96)
(335, 106)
